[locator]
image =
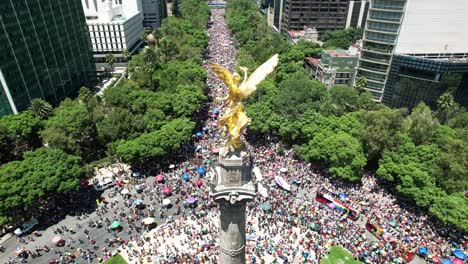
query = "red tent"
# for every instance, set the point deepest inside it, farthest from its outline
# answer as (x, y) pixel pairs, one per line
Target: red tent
(199, 183)
(160, 178)
(167, 190)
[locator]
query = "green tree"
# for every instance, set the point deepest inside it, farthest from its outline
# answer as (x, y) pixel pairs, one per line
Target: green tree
(447, 108)
(40, 108)
(126, 54)
(41, 173)
(381, 131)
(18, 133)
(421, 125)
(361, 83)
(342, 38)
(342, 151)
(110, 59)
(170, 138)
(71, 129)
(451, 210)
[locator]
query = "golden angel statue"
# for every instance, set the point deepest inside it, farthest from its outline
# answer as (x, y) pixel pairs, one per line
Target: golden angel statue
(234, 119)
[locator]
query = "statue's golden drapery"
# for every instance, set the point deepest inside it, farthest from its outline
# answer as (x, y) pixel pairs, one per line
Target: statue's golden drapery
(234, 119)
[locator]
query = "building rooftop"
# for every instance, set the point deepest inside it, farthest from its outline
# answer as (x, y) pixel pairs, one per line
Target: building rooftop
(313, 61)
(339, 53)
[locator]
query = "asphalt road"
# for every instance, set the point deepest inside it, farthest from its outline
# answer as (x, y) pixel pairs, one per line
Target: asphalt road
(97, 234)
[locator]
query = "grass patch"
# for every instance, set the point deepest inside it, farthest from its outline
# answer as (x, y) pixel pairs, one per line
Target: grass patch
(117, 259)
(339, 255)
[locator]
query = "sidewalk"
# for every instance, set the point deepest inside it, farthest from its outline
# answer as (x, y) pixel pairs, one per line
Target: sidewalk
(5, 238)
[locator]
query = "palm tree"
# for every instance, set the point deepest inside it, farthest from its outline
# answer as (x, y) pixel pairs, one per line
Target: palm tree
(40, 108)
(110, 59)
(360, 84)
(126, 54)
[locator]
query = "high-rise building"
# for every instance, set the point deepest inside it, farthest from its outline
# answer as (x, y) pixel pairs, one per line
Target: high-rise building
(114, 26)
(319, 14)
(153, 13)
(323, 15)
(415, 50)
(357, 13)
(45, 52)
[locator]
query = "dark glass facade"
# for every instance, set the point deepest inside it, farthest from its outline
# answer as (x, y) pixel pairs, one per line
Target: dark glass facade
(322, 14)
(414, 79)
(46, 51)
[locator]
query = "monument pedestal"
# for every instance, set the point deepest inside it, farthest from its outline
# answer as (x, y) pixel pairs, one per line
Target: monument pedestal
(233, 189)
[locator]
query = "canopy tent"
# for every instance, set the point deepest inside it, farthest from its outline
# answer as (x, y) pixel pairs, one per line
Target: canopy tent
(115, 224)
(257, 173)
(266, 207)
(423, 251)
(282, 183)
(125, 191)
(199, 183)
(457, 261)
(138, 202)
(251, 237)
(459, 254)
(201, 170)
(167, 190)
(262, 190)
(191, 200)
(160, 178)
(149, 221)
(20, 250)
(171, 166)
(185, 177)
(296, 180)
(199, 134)
(446, 261)
(215, 150)
(56, 239)
(284, 170)
(166, 202)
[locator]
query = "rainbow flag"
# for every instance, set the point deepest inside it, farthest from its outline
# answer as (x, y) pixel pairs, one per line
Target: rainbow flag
(340, 206)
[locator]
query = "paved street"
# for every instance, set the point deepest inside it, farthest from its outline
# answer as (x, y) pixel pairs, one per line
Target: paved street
(100, 235)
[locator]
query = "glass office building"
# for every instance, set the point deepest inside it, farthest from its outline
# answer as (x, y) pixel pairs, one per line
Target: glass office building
(415, 50)
(46, 52)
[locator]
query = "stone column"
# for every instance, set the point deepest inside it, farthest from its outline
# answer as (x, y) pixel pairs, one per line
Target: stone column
(233, 189)
(232, 232)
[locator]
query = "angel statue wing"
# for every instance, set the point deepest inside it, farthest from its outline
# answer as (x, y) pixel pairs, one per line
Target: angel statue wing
(224, 75)
(249, 85)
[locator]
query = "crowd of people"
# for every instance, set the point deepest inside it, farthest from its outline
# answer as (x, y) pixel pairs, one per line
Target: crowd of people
(284, 233)
(293, 229)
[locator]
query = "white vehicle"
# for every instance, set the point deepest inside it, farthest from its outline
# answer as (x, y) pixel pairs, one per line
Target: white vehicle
(136, 174)
(104, 184)
(26, 227)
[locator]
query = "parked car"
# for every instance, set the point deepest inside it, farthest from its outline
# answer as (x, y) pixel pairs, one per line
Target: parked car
(26, 227)
(104, 184)
(136, 174)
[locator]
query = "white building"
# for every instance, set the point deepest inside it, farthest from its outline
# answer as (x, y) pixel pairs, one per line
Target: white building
(114, 26)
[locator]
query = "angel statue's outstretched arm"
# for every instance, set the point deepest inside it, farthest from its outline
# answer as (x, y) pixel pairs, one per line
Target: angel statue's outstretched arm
(248, 86)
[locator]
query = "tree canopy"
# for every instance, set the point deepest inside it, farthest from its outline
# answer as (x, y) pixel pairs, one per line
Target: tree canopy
(422, 153)
(41, 172)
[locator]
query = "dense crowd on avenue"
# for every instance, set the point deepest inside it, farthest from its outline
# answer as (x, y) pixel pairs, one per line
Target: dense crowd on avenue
(170, 217)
